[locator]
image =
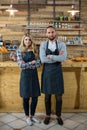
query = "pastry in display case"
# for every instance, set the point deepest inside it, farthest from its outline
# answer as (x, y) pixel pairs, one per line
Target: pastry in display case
(79, 59)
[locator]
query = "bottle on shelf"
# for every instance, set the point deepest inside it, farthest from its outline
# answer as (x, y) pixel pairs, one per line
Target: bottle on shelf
(77, 18)
(60, 25)
(65, 18)
(56, 25)
(61, 18)
(69, 18)
(1, 40)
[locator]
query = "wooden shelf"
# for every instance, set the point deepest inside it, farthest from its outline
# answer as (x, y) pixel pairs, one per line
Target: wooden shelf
(63, 2)
(75, 44)
(23, 27)
(71, 29)
(66, 21)
(41, 28)
(66, 3)
(68, 35)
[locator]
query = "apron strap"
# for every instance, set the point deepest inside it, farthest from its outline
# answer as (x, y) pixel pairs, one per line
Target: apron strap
(47, 45)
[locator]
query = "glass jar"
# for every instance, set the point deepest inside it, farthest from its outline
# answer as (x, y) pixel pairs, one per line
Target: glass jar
(1, 40)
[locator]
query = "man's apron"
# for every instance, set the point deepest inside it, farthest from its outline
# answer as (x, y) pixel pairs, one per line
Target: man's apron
(52, 77)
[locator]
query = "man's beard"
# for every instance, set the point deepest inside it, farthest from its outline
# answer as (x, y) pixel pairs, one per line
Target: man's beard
(51, 38)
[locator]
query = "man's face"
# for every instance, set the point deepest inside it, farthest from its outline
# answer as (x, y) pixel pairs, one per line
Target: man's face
(51, 34)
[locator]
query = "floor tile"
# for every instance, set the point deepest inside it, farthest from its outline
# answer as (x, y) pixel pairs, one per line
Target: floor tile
(57, 127)
(72, 121)
(70, 124)
(83, 114)
(68, 115)
(17, 124)
(31, 128)
(2, 114)
(81, 127)
(19, 115)
(5, 127)
(79, 118)
(7, 118)
(44, 127)
(85, 123)
(1, 123)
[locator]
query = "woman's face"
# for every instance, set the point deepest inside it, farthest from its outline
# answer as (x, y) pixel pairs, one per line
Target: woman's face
(27, 41)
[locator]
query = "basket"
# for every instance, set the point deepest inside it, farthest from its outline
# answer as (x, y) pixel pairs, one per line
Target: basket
(4, 56)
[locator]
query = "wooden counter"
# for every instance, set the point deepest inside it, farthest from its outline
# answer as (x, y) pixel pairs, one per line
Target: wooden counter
(75, 81)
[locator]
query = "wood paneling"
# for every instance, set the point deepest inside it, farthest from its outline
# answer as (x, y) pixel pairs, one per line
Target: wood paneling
(75, 82)
(38, 16)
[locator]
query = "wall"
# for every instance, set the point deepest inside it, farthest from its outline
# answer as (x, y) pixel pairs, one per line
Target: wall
(40, 15)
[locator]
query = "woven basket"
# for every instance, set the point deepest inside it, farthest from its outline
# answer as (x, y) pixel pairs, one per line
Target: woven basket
(4, 56)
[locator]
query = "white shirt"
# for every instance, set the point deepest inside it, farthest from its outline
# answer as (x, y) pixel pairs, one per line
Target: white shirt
(52, 45)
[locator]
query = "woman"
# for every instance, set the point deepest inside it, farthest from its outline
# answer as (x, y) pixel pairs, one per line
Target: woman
(29, 83)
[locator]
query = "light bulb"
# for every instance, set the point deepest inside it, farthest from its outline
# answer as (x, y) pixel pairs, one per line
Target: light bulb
(11, 10)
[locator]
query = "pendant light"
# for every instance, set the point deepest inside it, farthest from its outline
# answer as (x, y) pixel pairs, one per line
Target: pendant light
(11, 10)
(73, 11)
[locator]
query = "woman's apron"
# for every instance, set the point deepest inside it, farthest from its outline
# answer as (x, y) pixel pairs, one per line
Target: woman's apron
(52, 77)
(29, 82)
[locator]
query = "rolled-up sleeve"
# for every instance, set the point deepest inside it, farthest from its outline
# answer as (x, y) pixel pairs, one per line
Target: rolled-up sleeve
(38, 63)
(43, 56)
(60, 58)
(24, 65)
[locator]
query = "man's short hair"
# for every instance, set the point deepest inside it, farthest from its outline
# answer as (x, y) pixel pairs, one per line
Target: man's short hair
(51, 27)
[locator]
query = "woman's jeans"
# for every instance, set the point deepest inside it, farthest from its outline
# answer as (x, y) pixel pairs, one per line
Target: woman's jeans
(48, 104)
(33, 105)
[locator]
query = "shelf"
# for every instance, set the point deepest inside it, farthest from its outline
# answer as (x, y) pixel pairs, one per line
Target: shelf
(66, 21)
(36, 28)
(71, 29)
(68, 35)
(39, 28)
(61, 3)
(38, 36)
(75, 44)
(23, 27)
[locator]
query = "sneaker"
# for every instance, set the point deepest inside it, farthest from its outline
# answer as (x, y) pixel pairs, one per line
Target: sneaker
(47, 120)
(35, 120)
(60, 121)
(29, 122)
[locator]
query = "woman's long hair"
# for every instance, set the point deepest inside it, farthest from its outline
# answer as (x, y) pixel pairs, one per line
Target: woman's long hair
(22, 46)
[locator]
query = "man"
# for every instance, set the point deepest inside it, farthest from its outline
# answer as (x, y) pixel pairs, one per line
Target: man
(52, 53)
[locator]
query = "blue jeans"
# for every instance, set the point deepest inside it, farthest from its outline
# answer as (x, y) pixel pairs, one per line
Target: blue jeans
(32, 107)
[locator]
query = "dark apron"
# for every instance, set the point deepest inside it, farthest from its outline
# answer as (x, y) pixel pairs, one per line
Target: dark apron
(29, 83)
(52, 77)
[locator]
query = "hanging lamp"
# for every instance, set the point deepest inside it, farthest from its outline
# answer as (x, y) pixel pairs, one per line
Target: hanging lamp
(11, 10)
(73, 11)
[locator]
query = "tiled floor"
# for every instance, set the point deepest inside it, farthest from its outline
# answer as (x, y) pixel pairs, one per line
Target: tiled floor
(72, 121)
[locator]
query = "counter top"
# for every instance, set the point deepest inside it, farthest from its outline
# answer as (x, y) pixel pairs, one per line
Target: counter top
(67, 63)
(8, 64)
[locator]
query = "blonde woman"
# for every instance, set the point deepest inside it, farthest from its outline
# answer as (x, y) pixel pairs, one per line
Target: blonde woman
(29, 83)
